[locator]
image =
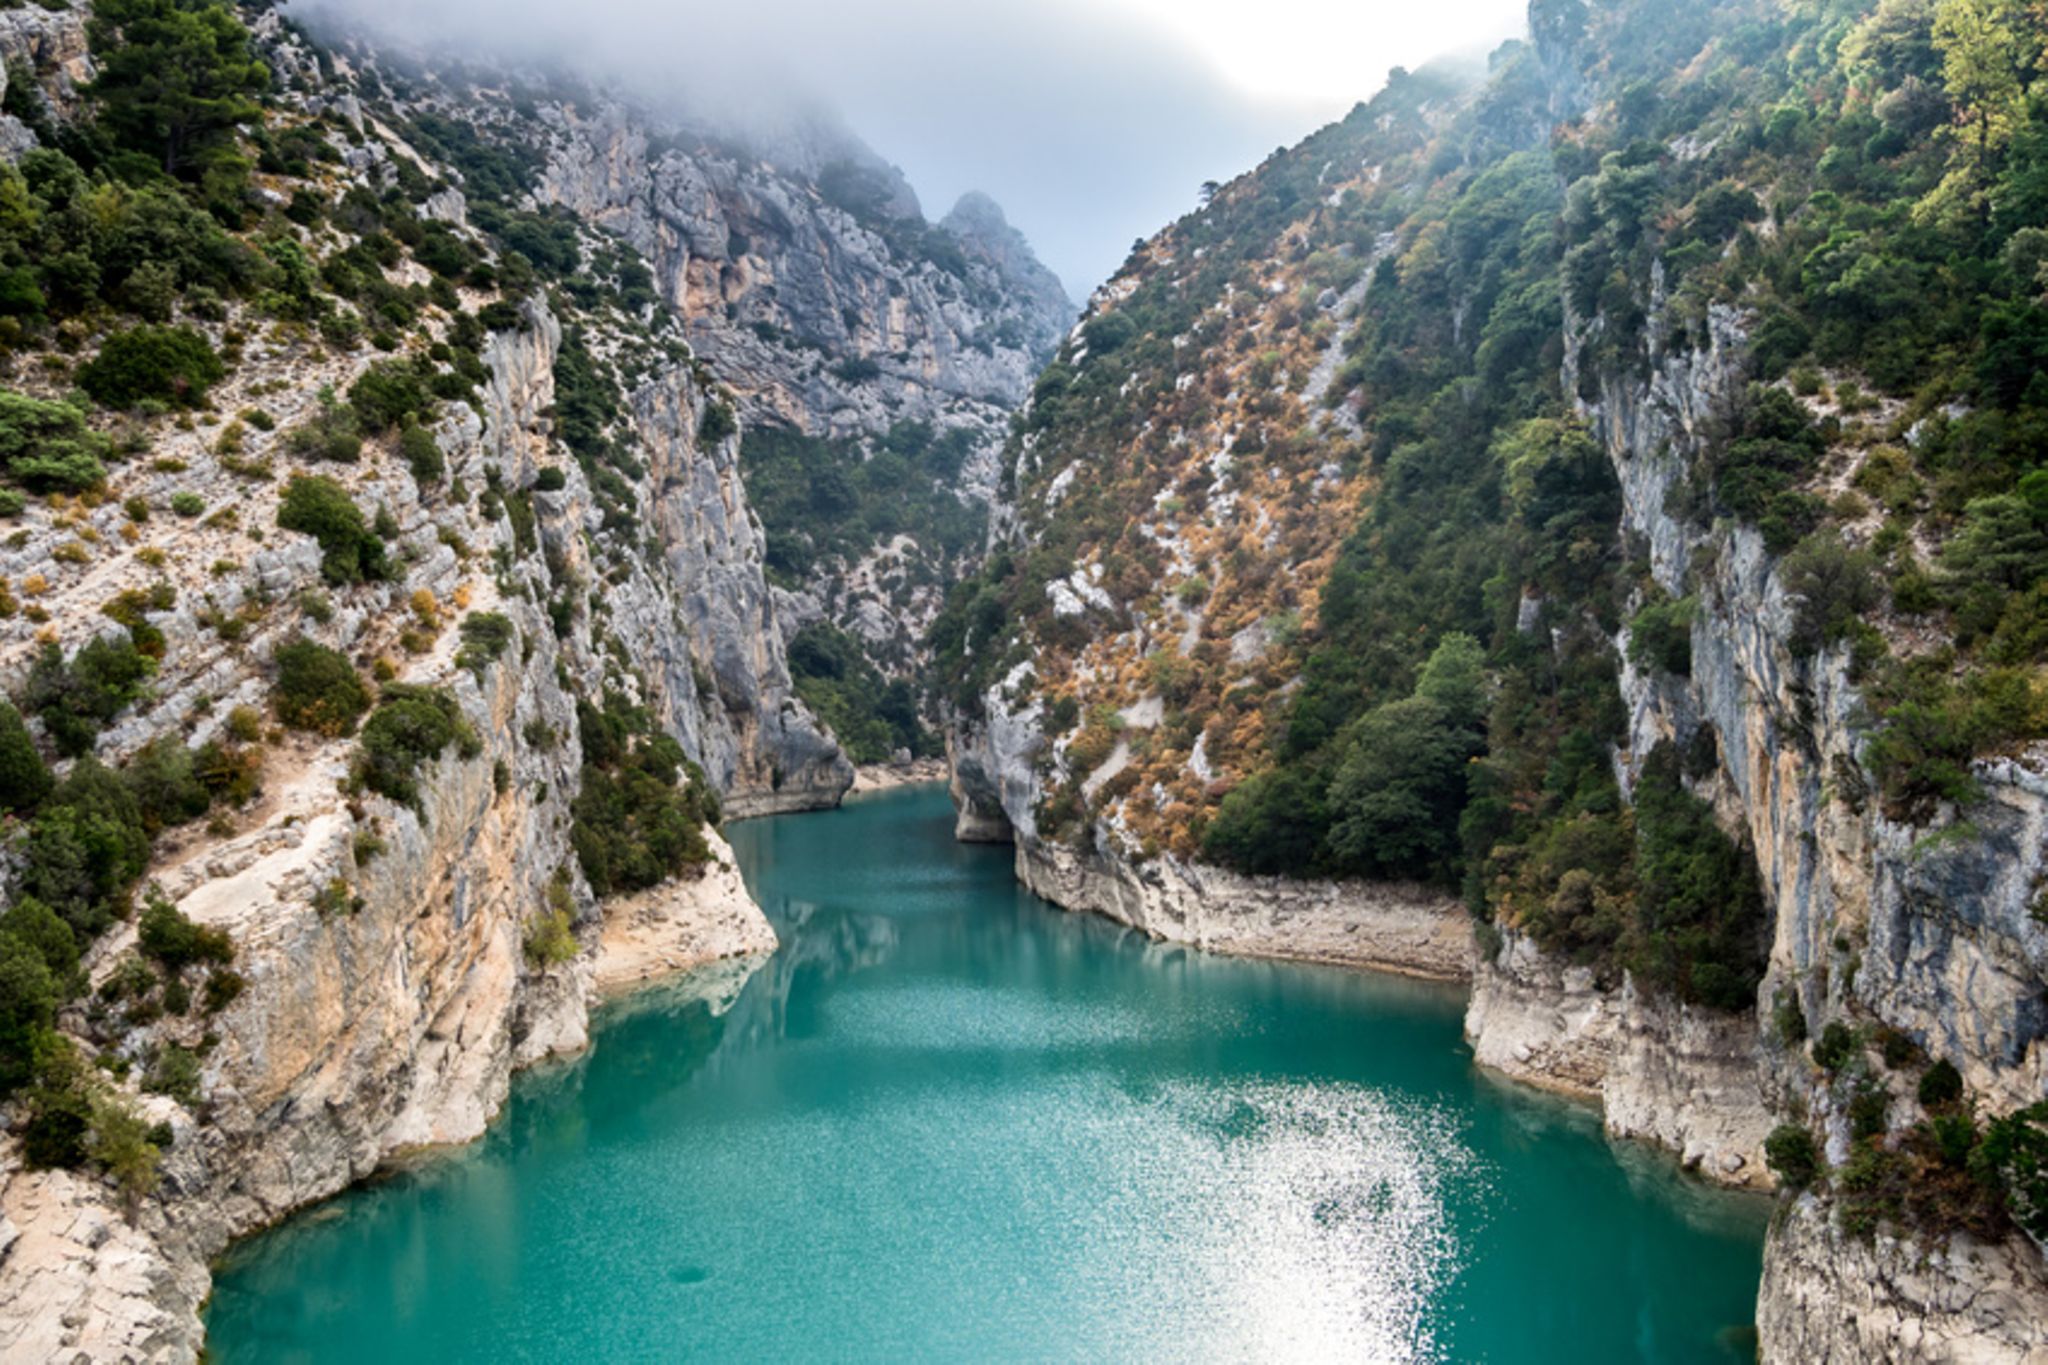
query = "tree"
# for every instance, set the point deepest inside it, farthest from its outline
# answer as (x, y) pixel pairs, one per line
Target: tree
(175, 77)
(28, 1004)
(174, 364)
(1399, 790)
(24, 777)
(323, 509)
(1991, 50)
(318, 689)
(47, 446)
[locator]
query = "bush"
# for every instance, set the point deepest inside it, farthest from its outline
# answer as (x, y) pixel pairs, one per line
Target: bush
(1941, 1085)
(331, 435)
(1790, 1153)
(550, 940)
(550, 480)
(85, 846)
(164, 780)
(47, 447)
(24, 778)
(422, 454)
(318, 689)
(322, 508)
(166, 936)
(2013, 1159)
(1699, 921)
(410, 727)
(639, 818)
(76, 700)
(1836, 1044)
(1836, 587)
(485, 636)
(187, 505)
(29, 995)
(171, 364)
(388, 393)
(717, 423)
(1660, 635)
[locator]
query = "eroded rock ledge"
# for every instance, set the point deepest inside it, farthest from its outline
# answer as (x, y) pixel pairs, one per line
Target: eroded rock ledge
(1406, 929)
(1663, 1071)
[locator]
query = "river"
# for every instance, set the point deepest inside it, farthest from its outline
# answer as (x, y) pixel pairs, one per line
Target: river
(948, 1121)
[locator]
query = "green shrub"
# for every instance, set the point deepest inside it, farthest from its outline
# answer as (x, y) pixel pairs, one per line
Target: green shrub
(1835, 1046)
(318, 689)
(2013, 1159)
(410, 726)
(1699, 917)
(187, 505)
(166, 936)
(551, 479)
(164, 780)
(330, 435)
(322, 508)
(422, 454)
(717, 423)
(171, 364)
(1660, 635)
(1941, 1085)
(1791, 1155)
(76, 700)
(639, 818)
(485, 637)
(1836, 586)
(85, 846)
(29, 995)
(174, 1072)
(388, 393)
(47, 447)
(24, 778)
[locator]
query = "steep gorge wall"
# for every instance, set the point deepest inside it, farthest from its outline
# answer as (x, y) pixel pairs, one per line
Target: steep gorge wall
(391, 1020)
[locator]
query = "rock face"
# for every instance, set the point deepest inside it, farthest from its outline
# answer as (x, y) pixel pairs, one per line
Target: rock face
(815, 248)
(1406, 929)
(804, 270)
(1834, 1299)
(1664, 1072)
(394, 1019)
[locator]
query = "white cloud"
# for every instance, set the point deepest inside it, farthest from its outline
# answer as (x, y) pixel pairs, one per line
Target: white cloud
(1091, 123)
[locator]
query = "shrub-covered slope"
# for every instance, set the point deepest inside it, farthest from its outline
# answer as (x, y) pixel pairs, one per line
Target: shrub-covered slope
(1606, 488)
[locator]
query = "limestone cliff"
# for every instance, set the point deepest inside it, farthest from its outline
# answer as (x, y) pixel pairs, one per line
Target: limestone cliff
(568, 535)
(1222, 583)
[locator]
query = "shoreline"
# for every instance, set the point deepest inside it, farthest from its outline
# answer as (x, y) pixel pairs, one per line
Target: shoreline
(870, 778)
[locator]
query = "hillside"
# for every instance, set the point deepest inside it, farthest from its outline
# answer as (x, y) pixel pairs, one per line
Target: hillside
(1602, 499)
(386, 626)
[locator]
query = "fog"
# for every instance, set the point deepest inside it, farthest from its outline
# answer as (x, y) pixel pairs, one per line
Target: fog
(1091, 123)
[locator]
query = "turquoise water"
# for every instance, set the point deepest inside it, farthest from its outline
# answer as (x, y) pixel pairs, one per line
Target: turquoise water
(948, 1121)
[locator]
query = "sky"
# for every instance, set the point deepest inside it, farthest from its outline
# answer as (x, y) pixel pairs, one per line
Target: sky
(1092, 122)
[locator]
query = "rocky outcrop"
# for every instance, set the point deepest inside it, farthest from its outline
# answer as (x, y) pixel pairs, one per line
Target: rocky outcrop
(1831, 1298)
(703, 624)
(1664, 1072)
(1406, 929)
(814, 248)
(680, 927)
(803, 269)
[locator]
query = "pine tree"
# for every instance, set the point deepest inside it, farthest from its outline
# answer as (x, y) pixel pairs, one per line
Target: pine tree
(175, 77)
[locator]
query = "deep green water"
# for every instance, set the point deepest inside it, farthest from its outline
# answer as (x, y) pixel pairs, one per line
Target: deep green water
(948, 1121)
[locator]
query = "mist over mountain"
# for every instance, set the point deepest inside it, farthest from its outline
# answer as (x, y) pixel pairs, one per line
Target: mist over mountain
(1090, 124)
